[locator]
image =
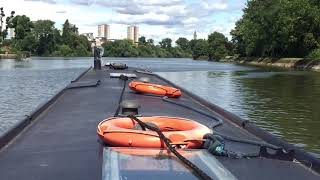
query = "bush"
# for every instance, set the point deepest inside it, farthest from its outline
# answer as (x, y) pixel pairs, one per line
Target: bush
(63, 50)
(315, 54)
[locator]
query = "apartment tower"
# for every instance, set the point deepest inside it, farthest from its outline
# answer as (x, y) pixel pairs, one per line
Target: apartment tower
(133, 33)
(104, 31)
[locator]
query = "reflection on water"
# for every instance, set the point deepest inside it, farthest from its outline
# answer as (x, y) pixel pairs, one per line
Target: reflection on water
(285, 103)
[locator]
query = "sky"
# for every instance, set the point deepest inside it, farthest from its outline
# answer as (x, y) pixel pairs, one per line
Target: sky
(157, 19)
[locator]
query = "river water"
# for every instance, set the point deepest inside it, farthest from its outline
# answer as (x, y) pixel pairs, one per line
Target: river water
(283, 102)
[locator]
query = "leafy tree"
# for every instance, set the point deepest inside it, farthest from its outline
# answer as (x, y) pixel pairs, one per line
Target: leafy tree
(28, 43)
(199, 48)
(142, 40)
(44, 31)
(4, 32)
(120, 48)
(183, 43)
(22, 26)
(125, 48)
(63, 50)
(217, 46)
(150, 42)
(278, 28)
(166, 43)
(146, 51)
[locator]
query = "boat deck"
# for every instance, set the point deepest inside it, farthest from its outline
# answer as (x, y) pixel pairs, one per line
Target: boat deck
(61, 141)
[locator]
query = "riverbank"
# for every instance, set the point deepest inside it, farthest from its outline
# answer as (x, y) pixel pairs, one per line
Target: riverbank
(293, 63)
(8, 56)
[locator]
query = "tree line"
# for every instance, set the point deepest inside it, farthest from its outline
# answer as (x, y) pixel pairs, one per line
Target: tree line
(216, 47)
(41, 38)
(268, 28)
(278, 28)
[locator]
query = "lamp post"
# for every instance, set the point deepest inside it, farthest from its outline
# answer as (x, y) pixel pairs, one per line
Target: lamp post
(1, 19)
(97, 53)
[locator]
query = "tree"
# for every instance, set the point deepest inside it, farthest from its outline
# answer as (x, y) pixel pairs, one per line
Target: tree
(44, 31)
(166, 43)
(66, 32)
(278, 28)
(199, 48)
(217, 46)
(183, 43)
(150, 42)
(22, 26)
(146, 51)
(4, 33)
(142, 40)
(120, 48)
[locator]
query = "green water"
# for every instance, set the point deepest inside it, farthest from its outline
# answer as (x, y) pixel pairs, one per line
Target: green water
(286, 103)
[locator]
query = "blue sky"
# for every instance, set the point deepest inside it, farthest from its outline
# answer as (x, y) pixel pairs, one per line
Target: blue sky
(157, 19)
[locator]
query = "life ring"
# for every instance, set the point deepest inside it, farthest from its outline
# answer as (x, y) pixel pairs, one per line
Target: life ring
(120, 132)
(156, 89)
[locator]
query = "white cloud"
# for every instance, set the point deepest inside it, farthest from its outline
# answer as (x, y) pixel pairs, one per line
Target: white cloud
(156, 18)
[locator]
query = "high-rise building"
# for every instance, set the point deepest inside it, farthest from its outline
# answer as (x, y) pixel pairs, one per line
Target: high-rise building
(133, 33)
(136, 34)
(11, 33)
(195, 35)
(130, 35)
(104, 31)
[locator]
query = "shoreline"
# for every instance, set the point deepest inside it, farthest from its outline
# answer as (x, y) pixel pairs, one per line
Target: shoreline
(8, 56)
(288, 63)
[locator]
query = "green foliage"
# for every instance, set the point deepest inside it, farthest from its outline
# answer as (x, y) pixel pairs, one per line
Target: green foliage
(142, 40)
(63, 50)
(278, 28)
(166, 43)
(125, 48)
(120, 48)
(315, 54)
(217, 46)
(22, 26)
(146, 51)
(199, 48)
(150, 42)
(183, 43)
(41, 38)
(4, 32)
(44, 32)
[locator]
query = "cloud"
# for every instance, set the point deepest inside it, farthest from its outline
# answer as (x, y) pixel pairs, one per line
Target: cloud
(156, 18)
(61, 12)
(45, 1)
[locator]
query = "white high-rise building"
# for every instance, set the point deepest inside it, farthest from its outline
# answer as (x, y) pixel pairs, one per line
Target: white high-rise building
(133, 33)
(136, 34)
(11, 34)
(104, 31)
(130, 33)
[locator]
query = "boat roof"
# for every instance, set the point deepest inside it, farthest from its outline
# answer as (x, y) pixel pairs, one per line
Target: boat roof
(59, 140)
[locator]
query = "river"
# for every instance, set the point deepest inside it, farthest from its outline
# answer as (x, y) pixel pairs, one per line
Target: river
(283, 102)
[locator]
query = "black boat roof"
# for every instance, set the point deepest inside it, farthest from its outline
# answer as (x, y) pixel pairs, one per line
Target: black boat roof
(59, 140)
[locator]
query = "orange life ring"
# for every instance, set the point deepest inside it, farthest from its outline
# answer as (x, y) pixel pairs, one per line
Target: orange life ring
(155, 89)
(119, 132)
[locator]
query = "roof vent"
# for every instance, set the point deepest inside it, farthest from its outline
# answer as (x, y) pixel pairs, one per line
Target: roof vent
(129, 107)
